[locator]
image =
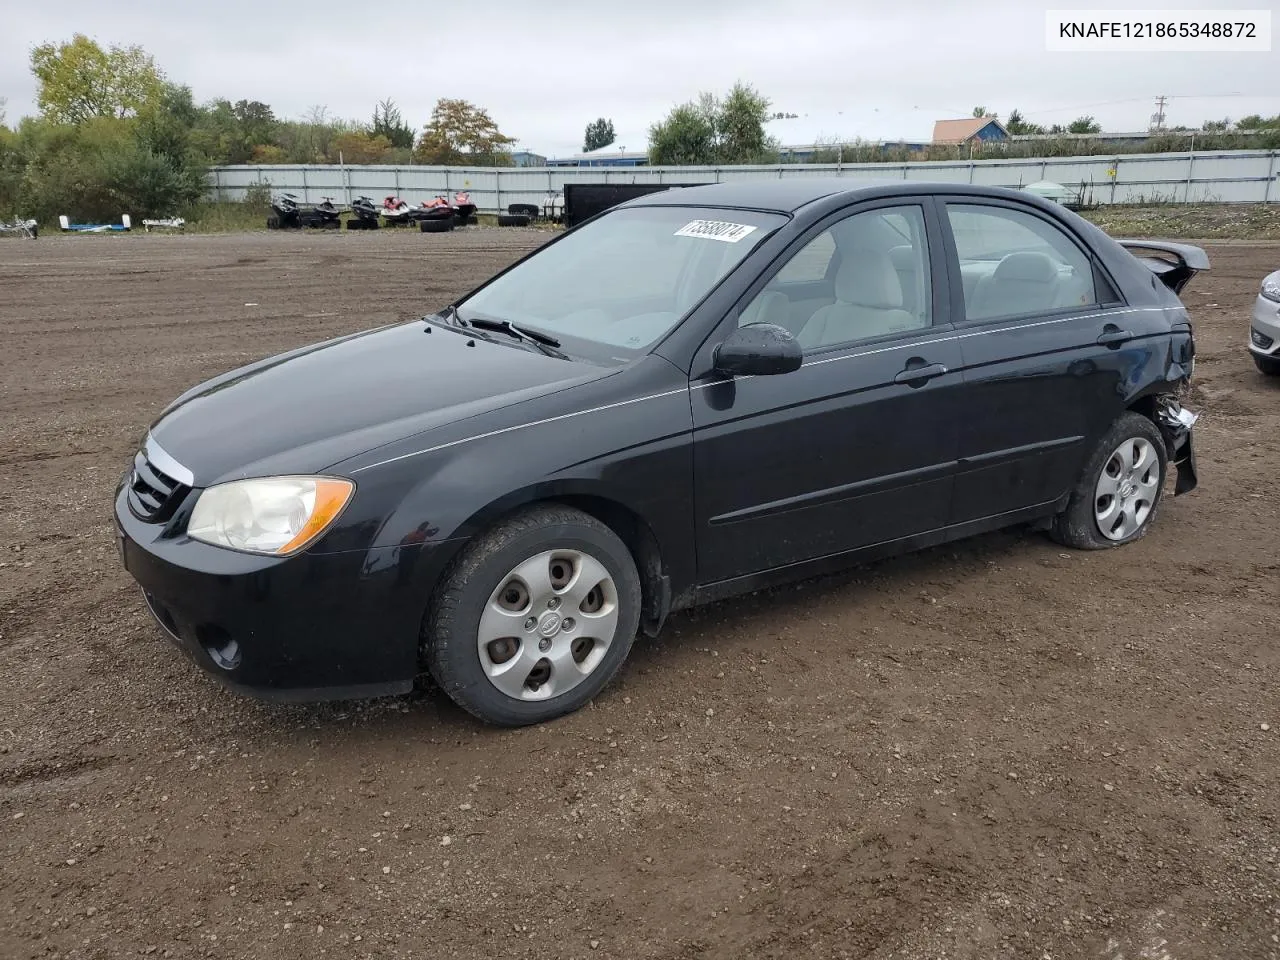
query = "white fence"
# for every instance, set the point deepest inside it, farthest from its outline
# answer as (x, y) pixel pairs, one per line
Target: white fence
(1237, 176)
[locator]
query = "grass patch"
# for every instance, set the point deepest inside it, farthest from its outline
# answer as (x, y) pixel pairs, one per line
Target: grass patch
(1200, 221)
(227, 218)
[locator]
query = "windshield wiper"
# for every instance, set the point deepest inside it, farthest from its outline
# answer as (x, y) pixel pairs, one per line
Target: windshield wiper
(448, 315)
(544, 342)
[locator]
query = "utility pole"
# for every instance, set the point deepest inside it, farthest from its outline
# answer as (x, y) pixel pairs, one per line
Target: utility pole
(1157, 118)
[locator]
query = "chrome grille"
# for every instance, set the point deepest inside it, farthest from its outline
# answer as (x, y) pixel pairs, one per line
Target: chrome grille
(153, 494)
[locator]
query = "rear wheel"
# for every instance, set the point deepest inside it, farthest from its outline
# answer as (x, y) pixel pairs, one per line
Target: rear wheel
(1268, 365)
(1119, 491)
(534, 618)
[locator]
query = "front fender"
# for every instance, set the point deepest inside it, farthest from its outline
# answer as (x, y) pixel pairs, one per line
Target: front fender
(636, 455)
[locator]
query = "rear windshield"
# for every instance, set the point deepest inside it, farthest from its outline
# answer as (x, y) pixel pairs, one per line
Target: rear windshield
(612, 288)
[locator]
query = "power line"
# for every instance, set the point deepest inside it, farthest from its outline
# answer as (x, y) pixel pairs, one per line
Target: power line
(1109, 103)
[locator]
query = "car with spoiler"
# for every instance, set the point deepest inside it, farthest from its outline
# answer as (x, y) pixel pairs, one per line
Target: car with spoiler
(694, 394)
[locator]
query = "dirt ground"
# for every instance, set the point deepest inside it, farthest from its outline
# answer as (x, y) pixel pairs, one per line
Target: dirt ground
(993, 749)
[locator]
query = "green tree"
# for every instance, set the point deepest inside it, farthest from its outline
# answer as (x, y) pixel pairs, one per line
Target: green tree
(78, 80)
(1217, 126)
(166, 123)
(462, 133)
(687, 137)
(740, 120)
(711, 130)
(1257, 122)
(388, 123)
(359, 147)
(1084, 124)
(599, 134)
(1017, 125)
(100, 169)
(228, 132)
(980, 112)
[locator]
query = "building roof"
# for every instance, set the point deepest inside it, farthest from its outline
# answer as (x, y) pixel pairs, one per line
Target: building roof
(958, 131)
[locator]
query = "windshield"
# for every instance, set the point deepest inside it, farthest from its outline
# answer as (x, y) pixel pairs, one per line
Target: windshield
(612, 288)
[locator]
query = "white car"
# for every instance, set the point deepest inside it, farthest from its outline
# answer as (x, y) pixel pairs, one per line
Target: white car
(1264, 326)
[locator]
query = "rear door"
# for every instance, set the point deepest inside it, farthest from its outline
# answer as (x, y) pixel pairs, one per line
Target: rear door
(1049, 349)
(858, 446)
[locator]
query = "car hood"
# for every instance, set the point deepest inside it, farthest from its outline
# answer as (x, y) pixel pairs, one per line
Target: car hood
(302, 411)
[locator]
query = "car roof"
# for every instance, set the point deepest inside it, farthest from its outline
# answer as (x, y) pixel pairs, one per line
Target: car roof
(789, 194)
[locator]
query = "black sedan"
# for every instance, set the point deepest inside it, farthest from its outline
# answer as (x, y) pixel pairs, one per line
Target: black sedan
(694, 394)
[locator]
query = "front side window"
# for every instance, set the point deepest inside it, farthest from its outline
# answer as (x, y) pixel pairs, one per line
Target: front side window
(864, 277)
(1015, 264)
(615, 286)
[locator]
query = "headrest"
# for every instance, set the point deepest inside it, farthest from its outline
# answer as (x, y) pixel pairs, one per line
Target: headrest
(904, 257)
(1028, 266)
(867, 278)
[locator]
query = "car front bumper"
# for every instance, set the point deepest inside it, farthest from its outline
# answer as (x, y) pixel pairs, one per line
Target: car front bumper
(305, 628)
(1264, 328)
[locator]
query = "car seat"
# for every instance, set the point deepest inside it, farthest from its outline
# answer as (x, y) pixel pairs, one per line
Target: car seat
(868, 303)
(905, 262)
(769, 306)
(1022, 283)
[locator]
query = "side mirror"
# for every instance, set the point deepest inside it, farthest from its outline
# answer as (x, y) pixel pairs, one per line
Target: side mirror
(758, 349)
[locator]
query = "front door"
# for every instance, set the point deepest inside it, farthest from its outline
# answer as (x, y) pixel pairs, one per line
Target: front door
(859, 445)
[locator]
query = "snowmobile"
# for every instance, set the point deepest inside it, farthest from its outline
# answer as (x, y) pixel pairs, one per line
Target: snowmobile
(323, 214)
(435, 215)
(364, 214)
(396, 211)
(466, 210)
(284, 212)
(437, 208)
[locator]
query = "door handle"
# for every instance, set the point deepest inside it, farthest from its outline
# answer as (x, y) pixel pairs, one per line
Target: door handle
(1113, 336)
(919, 376)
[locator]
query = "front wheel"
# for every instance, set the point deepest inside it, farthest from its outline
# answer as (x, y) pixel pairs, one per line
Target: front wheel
(534, 618)
(1268, 365)
(1119, 491)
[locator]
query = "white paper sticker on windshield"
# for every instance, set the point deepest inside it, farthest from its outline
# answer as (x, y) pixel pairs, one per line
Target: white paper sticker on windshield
(715, 230)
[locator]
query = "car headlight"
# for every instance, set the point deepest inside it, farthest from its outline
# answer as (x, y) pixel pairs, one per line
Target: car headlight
(271, 515)
(1271, 289)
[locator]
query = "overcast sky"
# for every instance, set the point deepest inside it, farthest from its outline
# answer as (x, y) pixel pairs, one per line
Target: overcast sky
(869, 68)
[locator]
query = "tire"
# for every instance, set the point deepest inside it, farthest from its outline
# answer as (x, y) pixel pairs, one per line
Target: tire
(1079, 525)
(436, 226)
(512, 220)
(453, 631)
(1268, 365)
(273, 223)
(529, 210)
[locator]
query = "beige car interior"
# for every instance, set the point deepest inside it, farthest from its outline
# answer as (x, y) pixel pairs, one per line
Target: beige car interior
(881, 284)
(879, 289)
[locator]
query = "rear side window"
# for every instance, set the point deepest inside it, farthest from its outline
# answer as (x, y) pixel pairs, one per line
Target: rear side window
(1014, 264)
